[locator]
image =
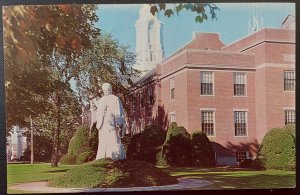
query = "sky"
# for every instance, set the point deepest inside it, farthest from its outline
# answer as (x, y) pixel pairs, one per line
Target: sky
(232, 23)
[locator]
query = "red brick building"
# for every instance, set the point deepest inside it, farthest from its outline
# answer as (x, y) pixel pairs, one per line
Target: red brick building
(235, 93)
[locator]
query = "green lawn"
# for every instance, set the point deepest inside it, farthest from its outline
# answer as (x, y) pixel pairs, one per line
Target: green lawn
(222, 178)
(235, 178)
(22, 173)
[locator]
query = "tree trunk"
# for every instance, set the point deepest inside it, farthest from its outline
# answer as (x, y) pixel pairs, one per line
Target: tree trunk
(54, 158)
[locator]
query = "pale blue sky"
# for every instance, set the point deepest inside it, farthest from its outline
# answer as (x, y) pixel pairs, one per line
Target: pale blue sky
(232, 23)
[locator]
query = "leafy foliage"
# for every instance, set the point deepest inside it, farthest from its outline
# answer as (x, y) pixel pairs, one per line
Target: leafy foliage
(84, 157)
(278, 148)
(108, 173)
(68, 159)
(202, 151)
(145, 146)
(177, 146)
(201, 10)
(32, 34)
(79, 142)
(108, 61)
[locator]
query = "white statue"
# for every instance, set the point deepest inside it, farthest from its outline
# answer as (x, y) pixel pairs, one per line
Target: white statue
(109, 115)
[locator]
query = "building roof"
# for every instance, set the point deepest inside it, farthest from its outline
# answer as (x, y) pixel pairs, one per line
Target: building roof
(146, 77)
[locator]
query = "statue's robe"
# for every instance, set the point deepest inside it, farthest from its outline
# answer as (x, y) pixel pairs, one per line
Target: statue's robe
(109, 115)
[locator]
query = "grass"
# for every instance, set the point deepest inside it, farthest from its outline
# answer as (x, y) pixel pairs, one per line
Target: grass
(235, 178)
(23, 173)
(108, 173)
(222, 178)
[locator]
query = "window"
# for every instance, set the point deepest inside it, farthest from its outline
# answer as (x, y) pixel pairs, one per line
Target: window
(289, 80)
(141, 100)
(133, 104)
(289, 116)
(150, 96)
(241, 155)
(172, 117)
(172, 88)
(207, 83)
(240, 123)
(239, 84)
(207, 118)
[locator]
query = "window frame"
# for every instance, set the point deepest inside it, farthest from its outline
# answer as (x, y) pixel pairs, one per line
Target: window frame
(289, 79)
(237, 155)
(172, 88)
(172, 114)
(213, 110)
(285, 116)
(235, 84)
(246, 122)
(212, 87)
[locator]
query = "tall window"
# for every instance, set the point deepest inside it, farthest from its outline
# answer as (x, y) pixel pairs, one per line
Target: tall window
(289, 80)
(239, 84)
(241, 155)
(172, 88)
(207, 80)
(240, 121)
(207, 118)
(289, 116)
(141, 99)
(172, 117)
(133, 103)
(150, 98)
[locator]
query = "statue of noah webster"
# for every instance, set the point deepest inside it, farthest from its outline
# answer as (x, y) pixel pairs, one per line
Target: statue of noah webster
(110, 117)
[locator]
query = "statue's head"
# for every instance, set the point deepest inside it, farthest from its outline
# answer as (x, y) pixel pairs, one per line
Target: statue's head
(107, 89)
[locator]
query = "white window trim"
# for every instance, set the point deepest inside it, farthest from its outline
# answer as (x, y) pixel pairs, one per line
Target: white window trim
(172, 78)
(171, 113)
(286, 109)
(247, 130)
(214, 117)
(246, 85)
(213, 81)
(289, 91)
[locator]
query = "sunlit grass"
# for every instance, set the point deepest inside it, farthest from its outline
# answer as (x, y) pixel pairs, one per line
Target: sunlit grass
(231, 178)
(222, 178)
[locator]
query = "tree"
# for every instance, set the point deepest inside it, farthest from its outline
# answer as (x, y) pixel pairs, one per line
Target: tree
(200, 9)
(107, 61)
(39, 47)
(31, 33)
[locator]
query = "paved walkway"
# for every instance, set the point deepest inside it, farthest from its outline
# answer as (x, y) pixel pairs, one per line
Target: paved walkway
(42, 187)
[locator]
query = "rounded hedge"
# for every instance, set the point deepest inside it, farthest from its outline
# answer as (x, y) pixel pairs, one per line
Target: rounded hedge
(177, 147)
(108, 173)
(68, 159)
(79, 143)
(278, 148)
(202, 151)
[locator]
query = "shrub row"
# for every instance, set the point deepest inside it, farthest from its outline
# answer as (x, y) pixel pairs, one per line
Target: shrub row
(174, 148)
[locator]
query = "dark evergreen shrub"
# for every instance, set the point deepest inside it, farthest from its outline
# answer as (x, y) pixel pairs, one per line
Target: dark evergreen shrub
(160, 160)
(68, 159)
(133, 147)
(246, 163)
(177, 150)
(144, 146)
(202, 151)
(277, 150)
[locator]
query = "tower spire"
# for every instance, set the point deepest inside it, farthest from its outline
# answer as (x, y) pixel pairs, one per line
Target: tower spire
(256, 19)
(149, 41)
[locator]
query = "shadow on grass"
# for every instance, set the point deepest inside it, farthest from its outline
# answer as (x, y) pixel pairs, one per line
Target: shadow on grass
(56, 171)
(235, 178)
